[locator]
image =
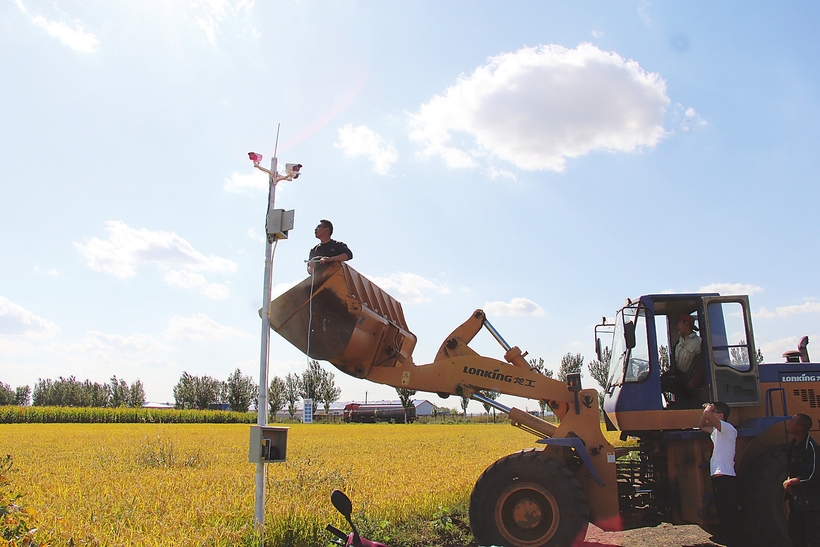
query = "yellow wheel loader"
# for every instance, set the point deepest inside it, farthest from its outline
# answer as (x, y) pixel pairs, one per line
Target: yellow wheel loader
(546, 496)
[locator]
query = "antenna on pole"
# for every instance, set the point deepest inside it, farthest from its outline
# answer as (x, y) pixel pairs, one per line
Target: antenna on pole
(276, 146)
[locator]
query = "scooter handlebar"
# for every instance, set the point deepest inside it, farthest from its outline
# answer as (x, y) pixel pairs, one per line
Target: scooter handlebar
(336, 532)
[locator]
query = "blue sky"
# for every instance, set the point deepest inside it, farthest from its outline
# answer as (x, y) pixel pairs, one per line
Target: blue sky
(540, 160)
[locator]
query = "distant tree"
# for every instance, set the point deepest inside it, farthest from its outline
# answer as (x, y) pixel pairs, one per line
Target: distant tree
(7, 396)
(329, 392)
(276, 396)
(292, 392)
(465, 402)
(185, 392)
(490, 395)
(23, 395)
(310, 383)
(241, 391)
(136, 394)
(119, 392)
(599, 370)
(664, 359)
(539, 367)
(208, 391)
(98, 394)
(740, 356)
(61, 392)
(569, 364)
(43, 392)
(406, 398)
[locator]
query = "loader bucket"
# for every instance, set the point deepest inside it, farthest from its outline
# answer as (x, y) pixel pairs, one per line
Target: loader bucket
(342, 317)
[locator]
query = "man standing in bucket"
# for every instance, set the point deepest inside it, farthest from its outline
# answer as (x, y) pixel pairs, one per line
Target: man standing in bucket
(328, 250)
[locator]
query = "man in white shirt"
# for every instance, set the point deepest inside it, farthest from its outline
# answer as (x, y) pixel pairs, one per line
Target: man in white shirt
(725, 485)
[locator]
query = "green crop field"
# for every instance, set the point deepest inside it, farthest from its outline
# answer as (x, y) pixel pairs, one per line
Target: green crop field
(191, 484)
(180, 484)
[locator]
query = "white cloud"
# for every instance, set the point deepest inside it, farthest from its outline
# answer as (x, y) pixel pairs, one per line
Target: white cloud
(50, 271)
(597, 33)
(126, 248)
(282, 288)
(686, 118)
(494, 173)
(643, 11)
(731, 288)
(100, 341)
(215, 291)
(200, 328)
(409, 285)
(15, 319)
(362, 141)
(773, 351)
(784, 311)
(188, 280)
(256, 237)
(214, 12)
(516, 306)
(538, 106)
(75, 38)
(691, 120)
(253, 182)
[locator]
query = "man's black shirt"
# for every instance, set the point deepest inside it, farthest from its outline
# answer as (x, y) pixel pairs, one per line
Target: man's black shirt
(804, 463)
(331, 248)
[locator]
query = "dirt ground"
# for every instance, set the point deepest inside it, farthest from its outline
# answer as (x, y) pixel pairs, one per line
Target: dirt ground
(663, 535)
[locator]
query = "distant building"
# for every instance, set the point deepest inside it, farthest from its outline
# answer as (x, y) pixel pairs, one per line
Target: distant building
(336, 410)
(158, 406)
(423, 407)
(219, 406)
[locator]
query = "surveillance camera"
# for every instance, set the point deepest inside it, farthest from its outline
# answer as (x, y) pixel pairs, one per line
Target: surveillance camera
(292, 169)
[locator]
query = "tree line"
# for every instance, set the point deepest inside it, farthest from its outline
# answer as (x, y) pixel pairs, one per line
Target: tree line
(242, 393)
(72, 392)
(20, 396)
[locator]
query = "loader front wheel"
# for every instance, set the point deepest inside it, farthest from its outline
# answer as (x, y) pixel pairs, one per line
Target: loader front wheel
(528, 499)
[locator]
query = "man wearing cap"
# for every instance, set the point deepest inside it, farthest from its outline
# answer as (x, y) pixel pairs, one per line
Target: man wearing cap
(328, 250)
(683, 379)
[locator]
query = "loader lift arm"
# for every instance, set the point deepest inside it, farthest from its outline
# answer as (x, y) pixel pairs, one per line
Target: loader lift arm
(342, 317)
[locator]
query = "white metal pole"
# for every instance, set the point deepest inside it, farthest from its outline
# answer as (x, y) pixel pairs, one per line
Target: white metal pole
(262, 410)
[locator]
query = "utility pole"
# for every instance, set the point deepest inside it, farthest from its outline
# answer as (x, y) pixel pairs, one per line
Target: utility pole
(277, 224)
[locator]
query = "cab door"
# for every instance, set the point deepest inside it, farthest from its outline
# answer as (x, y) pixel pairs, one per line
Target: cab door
(733, 356)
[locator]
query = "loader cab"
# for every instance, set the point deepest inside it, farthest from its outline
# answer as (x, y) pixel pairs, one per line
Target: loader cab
(643, 339)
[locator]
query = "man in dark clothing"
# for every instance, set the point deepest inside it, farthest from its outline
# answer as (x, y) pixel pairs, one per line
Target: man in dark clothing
(803, 485)
(328, 250)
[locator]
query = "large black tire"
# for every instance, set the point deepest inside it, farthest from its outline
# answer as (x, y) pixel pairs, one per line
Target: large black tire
(528, 499)
(764, 510)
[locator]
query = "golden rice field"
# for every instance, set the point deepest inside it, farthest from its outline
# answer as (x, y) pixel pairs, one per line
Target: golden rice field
(191, 484)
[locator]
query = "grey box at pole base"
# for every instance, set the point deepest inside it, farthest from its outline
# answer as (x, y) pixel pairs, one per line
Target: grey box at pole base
(269, 444)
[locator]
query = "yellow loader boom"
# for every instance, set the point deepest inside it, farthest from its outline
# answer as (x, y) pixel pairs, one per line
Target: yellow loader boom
(359, 328)
(340, 316)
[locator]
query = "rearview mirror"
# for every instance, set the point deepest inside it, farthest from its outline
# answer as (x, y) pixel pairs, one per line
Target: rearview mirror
(629, 334)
